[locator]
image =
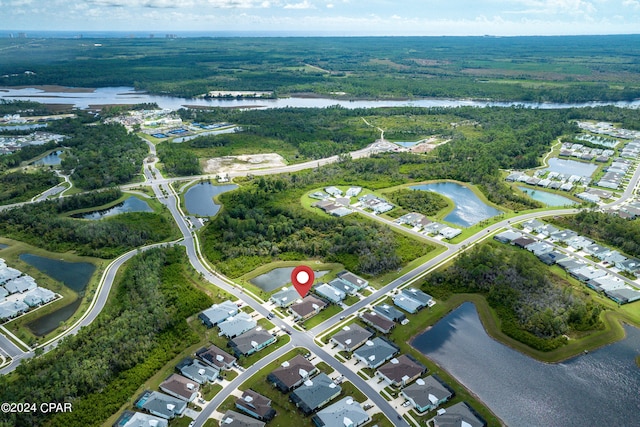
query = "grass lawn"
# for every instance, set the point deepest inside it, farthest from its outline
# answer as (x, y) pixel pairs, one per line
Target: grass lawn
(330, 311)
(210, 390)
(325, 368)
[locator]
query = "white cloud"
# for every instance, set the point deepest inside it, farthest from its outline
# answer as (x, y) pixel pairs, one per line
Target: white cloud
(631, 3)
(330, 6)
(299, 6)
(554, 7)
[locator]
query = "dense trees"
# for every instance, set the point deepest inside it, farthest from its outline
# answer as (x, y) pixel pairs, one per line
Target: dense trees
(424, 202)
(101, 367)
(532, 306)
(20, 186)
(177, 161)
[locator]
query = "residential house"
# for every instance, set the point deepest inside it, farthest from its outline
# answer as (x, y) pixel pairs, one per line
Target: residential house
(406, 303)
(569, 263)
(424, 299)
(197, 371)
(351, 337)
(329, 292)
(292, 373)
(237, 325)
(460, 414)
(375, 353)
(38, 296)
(251, 341)
(346, 412)
(8, 273)
(20, 284)
(579, 242)
(552, 257)
(563, 235)
(522, 242)
(344, 286)
(333, 191)
(450, 232)
(546, 230)
(427, 394)
(356, 281)
(623, 296)
(285, 297)
(216, 357)
(353, 191)
(160, 404)
(3, 293)
(539, 248)
(631, 265)
(235, 419)
(587, 273)
(401, 371)
(308, 307)
(389, 312)
(218, 313)
(10, 309)
(138, 419)
(532, 224)
(256, 405)
(180, 387)
(315, 393)
(507, 236)
(380, 323)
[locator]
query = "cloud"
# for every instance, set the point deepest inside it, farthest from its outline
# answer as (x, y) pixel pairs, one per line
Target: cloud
(555, 7)
(631, 3)
(330, 6)
(299, 6)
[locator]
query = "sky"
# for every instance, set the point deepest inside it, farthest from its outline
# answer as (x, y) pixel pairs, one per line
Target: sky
(327, 17)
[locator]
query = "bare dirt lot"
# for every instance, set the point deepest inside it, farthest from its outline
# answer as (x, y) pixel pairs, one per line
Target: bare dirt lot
(243, 163)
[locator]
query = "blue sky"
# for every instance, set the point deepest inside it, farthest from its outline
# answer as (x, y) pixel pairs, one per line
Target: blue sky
(339, 17)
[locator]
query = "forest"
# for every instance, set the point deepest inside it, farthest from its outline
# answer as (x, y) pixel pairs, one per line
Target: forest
(43, 224)
(533, 305)
(536, 69)
(100, 368)
(22, 186)
(424, 202)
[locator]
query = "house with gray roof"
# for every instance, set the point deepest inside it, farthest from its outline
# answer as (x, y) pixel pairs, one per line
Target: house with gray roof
(594, 249)
(539, 248)
(216, 357)
(375, 353)
(546, 229)
(552, 257)
(587, 273)
(218, 313)
(182, 388)
(532, 224)
(285, 297)
(344, 286)
(380, 323)
(569, 264)
(315, 393)
(389, 312)
(160, 404)
(579, 242)
(631, 265)
(10, 309)
(20, 284)
(346, 412)
(251, 341)
(38, 296)
(8, 273)
(351, 337)
(329, 292)
(138, 419)
(427, 393)
(197, 371)
(334, 191)
(3, 293)
(401, 370)
(308, 307)
(356, 281)
(624, 295)
(507, 236)
(291, 373)
(256, 405)
(416, 294)
(406, 303)
(235, 419)
(563, 235)
(237, 325)
(459, 415)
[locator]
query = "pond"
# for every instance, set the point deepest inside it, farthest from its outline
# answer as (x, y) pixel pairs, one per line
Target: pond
(3, 246)
(468, 210)
(549, 199)
(131, 204)
(74, 275)
(598, 388)
(407, 144)
(571, 167)
(50, 159)
(277, 278)
(49, 322)
(198, 199)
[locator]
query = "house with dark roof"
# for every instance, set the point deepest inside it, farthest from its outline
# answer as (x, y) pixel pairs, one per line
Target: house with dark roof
(401, 371)
(197, 371)
(351, 337)
(315, 393)
(346, 412)
(251, 341)
(292, 373)
(380, 323)
(459, 415)
(375, 353)
(552, 257)
(256, 405)
(160, 404)
(218, 313)
(308, 307)
(235, 419)
(507, 236)
(522, 242)
(356, 281)
(389, 312)
(285, 297)
(427, 394)
(216, 357)
(237, 325)
(138, 419)
(180, 387)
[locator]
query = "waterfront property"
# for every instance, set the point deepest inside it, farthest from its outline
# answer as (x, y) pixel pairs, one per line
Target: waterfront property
(356, 281)
(218, 313)
(256, 405)
(182, 388)
(235, 419)
(375, 353)
(308, 307)
(160, 404)
(413, 300)
(344, 413)
(216, 357)
(351, 337)
(460, 414)
(285, 297)
(427, 393)
(251, 341)
(401, 371)
(291, 373)
(315, 393)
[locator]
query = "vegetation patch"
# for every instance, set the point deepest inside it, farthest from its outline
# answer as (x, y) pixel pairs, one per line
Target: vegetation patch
(425, 202)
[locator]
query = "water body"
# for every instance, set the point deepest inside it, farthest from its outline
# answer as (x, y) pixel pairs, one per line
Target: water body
(3, 246)
(549, 199)
(50, 159)
(49, 322)
(599, 388)
(277, 278)
(469, 209)
(407, 144)
(199, 199)
(74, 275)
(131, 204)
(127, 95)
(571, 167)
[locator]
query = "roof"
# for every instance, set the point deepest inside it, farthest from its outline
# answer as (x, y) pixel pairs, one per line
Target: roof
(407, 303)
(38, 296)
(427, 391)
(285, 297)
(353, 279)
(236, 325)
(330, 292)
(522, 241)
(401, 369)
(160, 403)
(180, 386)
(376, 352)
(379, 321)
(315, 392)
(12, 308)
(343, 285)
(8, 273)
(458, 415)
(507, 236)
(389, 312)
(308, 305)
(20, 284)
(417, 295)
(235, 419)
(251, 339)
(215, 356)
(352, 336)
(346, 412)
(197, 370)
(292, 371)
(138, 419)
(256, 403)
(220, 312)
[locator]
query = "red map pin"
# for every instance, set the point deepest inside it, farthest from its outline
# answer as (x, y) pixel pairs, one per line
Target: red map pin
(302, 278)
